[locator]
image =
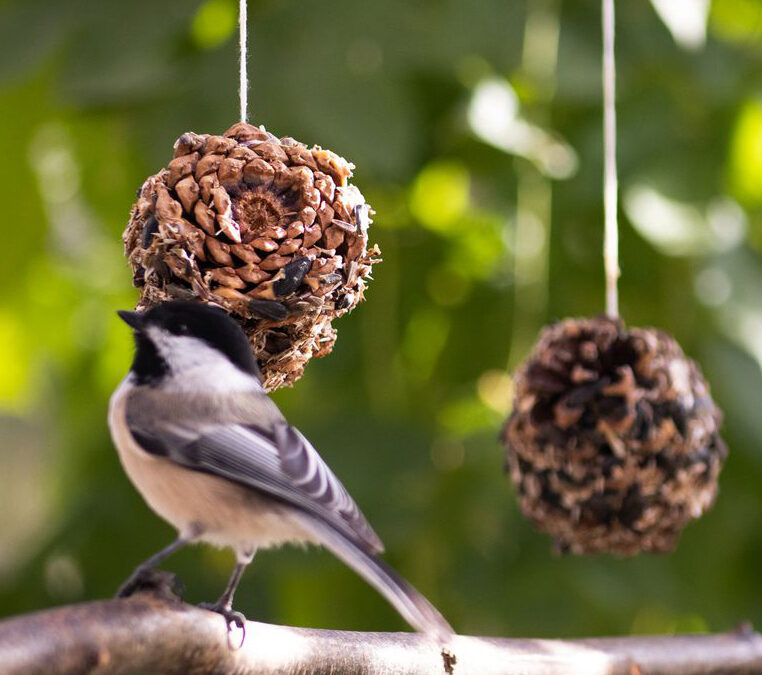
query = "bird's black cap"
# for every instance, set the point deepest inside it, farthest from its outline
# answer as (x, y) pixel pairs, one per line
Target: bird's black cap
(193, 319)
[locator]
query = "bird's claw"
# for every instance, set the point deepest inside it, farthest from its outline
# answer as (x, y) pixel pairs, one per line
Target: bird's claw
(232, 618)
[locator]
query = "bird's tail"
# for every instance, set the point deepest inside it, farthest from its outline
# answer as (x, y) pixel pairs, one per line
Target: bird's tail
(411, 605)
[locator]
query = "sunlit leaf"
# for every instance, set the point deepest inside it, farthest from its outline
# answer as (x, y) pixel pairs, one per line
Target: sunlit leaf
(680, 229)
(14, 345)
(440, 195)
(495, 389)
(746, 154)
(477, 244)
(737, 20)
(213, 23)
(466, 416)
(494, 116)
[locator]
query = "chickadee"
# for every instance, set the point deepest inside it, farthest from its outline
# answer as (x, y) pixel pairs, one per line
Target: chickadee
(214, 457)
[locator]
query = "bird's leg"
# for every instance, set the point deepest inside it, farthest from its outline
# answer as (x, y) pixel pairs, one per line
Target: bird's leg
(224, 605)
(226, 600)
(141, 576)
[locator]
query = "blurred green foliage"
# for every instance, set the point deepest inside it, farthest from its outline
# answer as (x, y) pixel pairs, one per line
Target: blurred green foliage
(475, 128)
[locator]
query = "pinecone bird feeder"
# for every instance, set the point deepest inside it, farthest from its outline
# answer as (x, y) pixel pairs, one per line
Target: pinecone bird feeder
(267, 228)
(613, 444)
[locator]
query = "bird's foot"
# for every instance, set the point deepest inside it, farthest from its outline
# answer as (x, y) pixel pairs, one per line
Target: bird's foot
(232, 619)
(148, 579)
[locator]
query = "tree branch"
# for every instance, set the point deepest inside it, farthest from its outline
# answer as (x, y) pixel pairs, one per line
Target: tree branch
(151, 633)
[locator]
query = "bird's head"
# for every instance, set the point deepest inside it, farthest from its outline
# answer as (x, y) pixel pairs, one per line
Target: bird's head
(177, 337)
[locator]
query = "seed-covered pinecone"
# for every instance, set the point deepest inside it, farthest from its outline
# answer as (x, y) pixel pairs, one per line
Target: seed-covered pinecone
(267, 228)
(613, 444)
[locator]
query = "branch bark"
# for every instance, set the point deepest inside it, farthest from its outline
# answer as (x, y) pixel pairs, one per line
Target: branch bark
(150, 633)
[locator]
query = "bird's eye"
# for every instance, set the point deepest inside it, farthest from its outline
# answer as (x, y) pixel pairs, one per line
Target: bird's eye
(182, 329)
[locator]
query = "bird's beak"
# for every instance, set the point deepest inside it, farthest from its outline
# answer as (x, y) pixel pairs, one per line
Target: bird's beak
(133, 319)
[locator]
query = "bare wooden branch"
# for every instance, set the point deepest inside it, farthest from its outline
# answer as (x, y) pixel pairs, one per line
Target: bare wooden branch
(148, 633)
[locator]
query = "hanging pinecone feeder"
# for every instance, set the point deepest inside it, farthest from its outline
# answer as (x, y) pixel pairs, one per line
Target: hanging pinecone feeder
(613, 444)
(267, 228)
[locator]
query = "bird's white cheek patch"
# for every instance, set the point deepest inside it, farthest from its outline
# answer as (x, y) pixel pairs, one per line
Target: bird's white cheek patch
(194, 365)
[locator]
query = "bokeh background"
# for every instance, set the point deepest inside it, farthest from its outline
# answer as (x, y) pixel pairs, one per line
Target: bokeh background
(476, 131)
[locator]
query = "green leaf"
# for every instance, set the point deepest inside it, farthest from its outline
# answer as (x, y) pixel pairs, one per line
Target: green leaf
(213, 23)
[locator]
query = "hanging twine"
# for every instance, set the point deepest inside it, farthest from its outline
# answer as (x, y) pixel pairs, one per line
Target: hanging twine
(610, 181)
(243, 80)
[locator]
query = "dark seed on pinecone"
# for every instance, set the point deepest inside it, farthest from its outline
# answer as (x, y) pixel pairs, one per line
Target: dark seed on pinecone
(293, 276)
(150, 228)
(347, 227)
(268, 309)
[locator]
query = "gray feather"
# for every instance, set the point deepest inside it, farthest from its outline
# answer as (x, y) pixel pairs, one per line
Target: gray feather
(244, 438)
(411, 605)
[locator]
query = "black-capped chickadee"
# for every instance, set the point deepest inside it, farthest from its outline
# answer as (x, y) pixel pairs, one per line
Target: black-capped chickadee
(213, 456)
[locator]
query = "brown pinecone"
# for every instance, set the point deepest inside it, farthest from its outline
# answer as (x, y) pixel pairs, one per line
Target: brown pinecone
(267, 228)
(613, 444)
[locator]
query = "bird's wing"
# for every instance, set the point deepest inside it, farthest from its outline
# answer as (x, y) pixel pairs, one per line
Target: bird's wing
(252, 445)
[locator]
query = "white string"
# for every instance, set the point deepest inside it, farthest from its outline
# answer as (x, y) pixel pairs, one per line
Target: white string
(243, 80)
(610, 181)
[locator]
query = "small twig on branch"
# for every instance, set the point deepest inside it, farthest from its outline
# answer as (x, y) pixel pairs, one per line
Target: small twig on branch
(148, 633)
